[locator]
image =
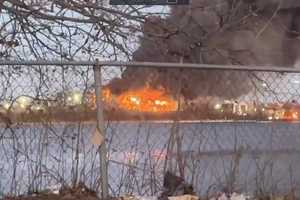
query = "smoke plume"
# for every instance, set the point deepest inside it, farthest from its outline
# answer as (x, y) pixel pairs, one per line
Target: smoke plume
(243, 32)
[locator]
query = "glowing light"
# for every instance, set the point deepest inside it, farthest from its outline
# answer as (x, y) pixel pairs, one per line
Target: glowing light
(140, 100)
(23, 102)
(6, 105)
(135, 100)
(218, 106)
(77, 98)
(37, 107)
(74, 98)
(295, 115)
(263, 109)
(146, 100)
(161, 103)
(270, 118)
(106, 95)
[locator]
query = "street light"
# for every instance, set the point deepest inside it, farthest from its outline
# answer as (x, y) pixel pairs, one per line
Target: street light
(74, 98)
(77, 98)
(23, 102)
(6, 105)
(217, 106)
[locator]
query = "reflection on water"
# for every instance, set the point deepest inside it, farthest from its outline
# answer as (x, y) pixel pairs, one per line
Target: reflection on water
(245, 156)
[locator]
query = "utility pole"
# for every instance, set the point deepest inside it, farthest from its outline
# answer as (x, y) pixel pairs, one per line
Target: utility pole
(101, 131)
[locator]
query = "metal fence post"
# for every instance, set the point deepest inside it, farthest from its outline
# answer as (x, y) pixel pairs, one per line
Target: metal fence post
(100, 127)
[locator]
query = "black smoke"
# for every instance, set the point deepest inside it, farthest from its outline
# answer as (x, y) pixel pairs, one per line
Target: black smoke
(223, 32)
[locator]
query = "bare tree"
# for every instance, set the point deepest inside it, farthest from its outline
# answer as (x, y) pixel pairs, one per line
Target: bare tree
(67, 29)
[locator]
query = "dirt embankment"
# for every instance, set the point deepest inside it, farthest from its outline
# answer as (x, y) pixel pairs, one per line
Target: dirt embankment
(79, 192)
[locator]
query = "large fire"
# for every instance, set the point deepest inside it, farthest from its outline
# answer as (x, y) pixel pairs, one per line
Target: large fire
(147, 100)
(107, 97)
(141, 100)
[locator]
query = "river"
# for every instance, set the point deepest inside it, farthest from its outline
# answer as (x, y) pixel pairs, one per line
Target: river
(242, 155)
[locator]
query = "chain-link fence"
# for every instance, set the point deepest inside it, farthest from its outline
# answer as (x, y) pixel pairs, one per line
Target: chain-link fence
(233, 128)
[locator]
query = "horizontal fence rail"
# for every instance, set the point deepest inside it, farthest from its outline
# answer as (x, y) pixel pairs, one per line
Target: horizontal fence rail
(154, 65)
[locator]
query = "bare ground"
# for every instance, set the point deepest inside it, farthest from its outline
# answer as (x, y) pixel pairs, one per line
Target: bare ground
(80, 192)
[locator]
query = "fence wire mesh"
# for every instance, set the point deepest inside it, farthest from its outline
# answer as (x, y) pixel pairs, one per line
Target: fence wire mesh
(219, 129)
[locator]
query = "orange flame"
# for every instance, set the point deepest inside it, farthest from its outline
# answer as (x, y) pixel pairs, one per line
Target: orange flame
(141, 100)
(107, 97)
(146, 100)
